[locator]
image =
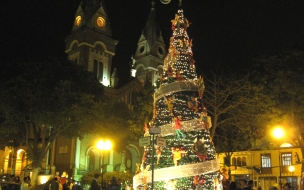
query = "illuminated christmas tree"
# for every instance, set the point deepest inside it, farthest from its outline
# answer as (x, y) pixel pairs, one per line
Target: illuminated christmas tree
(188, 159)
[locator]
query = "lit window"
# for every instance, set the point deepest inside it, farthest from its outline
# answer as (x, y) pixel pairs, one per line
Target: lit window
(266, 160)
(286, 159)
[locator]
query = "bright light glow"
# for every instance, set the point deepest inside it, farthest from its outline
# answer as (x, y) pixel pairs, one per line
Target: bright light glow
(42, 179)
(133, 72)
(105, 81)
(278, 133)
(291, 168)
(101, 145)
(286, 145)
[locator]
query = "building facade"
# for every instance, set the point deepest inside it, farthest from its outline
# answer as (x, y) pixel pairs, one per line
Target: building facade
(265, 167)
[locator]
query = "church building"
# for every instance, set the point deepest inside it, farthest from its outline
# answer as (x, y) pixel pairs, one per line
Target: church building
(91, 44)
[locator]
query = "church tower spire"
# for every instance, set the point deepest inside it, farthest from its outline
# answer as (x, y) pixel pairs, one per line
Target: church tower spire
(90, 42)
(151, 51)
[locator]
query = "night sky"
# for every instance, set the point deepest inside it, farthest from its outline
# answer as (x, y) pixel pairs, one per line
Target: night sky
(228, 33)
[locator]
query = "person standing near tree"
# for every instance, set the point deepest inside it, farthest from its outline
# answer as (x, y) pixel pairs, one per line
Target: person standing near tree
(25, 184)
(54, 184)
(72, 184)
(244, 185)
(114, 185)
(250, 184)
(94, 183)
(66, 185)
(233, 186)
(287, 186)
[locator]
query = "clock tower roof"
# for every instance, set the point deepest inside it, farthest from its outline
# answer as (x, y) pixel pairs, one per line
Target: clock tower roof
(152, 29)
(92, 14)
(91, 6)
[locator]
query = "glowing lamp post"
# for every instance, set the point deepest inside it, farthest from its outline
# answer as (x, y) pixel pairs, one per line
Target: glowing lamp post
(103, 145)
(279, 133)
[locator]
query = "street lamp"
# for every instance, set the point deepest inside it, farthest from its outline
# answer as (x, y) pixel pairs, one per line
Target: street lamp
(291, 168)
(103, 145)
(279, 133)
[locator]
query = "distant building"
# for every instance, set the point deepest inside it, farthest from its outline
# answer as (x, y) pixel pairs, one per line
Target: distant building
(263, 166)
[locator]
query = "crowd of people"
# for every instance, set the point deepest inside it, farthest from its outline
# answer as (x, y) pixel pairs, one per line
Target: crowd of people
(63, 183)
(286, 186)
(111, 185)
(248, 185)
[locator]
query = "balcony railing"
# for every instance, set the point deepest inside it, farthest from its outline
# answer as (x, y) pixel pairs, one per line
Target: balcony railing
(285, 169)
(266, 170)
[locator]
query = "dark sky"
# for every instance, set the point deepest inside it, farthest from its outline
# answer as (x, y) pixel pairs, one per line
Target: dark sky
(227, 32)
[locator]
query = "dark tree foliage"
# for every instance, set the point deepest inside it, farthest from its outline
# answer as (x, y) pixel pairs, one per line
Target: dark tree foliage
(142, 112)
(117, 129)
(40, 100)
(281, 74)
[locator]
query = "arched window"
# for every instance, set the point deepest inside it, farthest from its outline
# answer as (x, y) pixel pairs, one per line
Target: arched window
(244, 161)
(239, 161)
(234, 161)
(92, 158)
(75, 48)
(98, 70)
(82, 62)
(10, 160)
(99, 49)
(95, 68)
(140, 71)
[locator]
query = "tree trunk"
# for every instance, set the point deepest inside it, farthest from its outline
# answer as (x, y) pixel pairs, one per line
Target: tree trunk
(34, 179)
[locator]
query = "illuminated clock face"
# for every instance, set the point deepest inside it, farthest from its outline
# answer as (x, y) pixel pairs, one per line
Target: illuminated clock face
(100, 22)
(78, 21)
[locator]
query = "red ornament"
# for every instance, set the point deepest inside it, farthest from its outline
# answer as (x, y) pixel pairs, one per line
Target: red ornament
(195, 180)
(202, 181)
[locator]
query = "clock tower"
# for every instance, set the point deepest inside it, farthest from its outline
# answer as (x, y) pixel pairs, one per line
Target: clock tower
(90, 43)
(151, 50)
